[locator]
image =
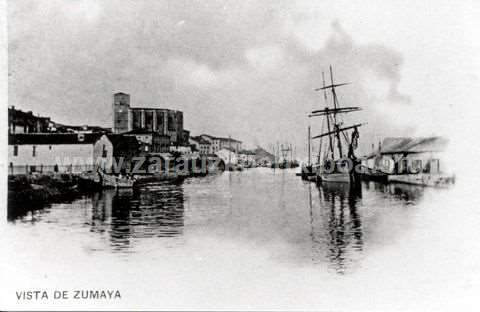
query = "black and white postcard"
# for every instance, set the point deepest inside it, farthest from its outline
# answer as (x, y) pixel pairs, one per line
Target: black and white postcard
(237, 155)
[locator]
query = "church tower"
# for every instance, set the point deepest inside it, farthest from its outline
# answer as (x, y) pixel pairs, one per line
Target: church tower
(121, 108)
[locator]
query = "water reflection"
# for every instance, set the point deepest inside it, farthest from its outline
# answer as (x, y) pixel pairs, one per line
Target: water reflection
(339, 228)
(408, 193)
(156, 210)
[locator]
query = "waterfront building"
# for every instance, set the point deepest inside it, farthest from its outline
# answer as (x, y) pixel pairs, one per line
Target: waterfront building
(54, 152)
(125, 149)
(25, 122)
(182, 149)
(398, 155)
(151, 141)
(228, 156)
(246, 157)
(236, 145)
(219, 143)
(160, 120)
(204, 147)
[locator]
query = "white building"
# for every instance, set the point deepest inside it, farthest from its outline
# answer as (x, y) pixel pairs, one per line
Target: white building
(228, 156)
(55, 152)
(214, 141)
(218, 143)
(247, 157)
(184, 150)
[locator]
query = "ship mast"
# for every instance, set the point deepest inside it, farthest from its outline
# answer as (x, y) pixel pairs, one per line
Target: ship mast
(335, 105)
(309, 148)
(328, 118)
(333, 134)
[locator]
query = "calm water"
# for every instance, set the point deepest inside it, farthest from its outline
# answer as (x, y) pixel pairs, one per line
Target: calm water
(220, 241)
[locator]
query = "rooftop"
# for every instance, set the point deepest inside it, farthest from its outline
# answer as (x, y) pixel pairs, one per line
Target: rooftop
(400, 145)
(13, 112)
(221, 138)
(155, 109)
(247, 152)
(60, 126)
(52, 138)
(200, 140)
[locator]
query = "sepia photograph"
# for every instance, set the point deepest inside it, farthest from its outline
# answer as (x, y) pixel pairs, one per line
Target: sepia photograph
(228, 155)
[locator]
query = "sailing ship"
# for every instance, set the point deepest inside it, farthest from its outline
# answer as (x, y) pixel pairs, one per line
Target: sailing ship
(336, 158)
(307, 171)
(287, 160)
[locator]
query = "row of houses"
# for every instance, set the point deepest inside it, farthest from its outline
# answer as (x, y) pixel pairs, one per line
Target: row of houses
(38, 144)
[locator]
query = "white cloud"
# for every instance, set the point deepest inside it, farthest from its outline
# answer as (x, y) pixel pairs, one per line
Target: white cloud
(266, 58)
(188, 72)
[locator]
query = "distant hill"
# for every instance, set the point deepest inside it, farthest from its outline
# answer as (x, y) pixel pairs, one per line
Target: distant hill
(261, 153)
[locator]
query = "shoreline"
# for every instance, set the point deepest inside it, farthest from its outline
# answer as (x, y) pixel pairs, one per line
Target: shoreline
(34, 191)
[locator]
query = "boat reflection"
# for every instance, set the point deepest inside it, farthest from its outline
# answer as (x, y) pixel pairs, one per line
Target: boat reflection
(337, 233)
(157, 210)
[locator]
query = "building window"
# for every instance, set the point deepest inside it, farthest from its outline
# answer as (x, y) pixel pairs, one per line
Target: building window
(160, 121)
(34, 151)
(171, 126)
(15, 150)
(104, 151)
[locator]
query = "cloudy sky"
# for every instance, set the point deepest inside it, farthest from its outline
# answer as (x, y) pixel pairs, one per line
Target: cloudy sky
(248, 68)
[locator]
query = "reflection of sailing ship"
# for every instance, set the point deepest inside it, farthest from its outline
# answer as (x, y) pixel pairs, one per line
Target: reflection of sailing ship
(339, 229)
(155, 210)
(333, 167)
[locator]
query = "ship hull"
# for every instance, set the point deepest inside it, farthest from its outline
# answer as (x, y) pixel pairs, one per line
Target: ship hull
(335, 177)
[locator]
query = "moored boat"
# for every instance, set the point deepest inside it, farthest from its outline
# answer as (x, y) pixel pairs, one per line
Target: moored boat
(110, 180)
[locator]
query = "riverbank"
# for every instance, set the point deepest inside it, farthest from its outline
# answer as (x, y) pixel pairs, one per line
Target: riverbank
(36, 189)
(32, 191)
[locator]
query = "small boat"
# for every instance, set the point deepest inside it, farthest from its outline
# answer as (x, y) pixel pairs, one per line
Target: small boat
(110, 180)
